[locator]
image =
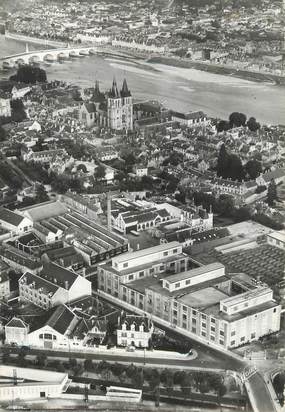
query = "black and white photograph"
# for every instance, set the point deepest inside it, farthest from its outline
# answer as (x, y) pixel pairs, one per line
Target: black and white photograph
(142, 205)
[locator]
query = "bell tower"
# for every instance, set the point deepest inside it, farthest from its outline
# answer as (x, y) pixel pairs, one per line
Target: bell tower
(114, 108)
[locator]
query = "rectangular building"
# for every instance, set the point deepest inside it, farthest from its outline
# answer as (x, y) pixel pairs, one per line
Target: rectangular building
(222, 309)
(54, 285)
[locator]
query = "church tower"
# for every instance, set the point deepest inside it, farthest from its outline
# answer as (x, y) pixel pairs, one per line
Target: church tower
(114, 108)
(127, 107)
(120, 108)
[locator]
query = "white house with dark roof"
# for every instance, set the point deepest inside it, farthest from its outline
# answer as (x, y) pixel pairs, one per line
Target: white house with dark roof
(60, 327)
(134, 331)
(14, 222)
(54, 285)
(87, 114)
(191, 119)
(278, 175)
(16, 332)
(56, 331)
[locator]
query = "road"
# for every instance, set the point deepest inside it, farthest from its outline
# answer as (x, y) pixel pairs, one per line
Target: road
(111, 357)
(259, 395)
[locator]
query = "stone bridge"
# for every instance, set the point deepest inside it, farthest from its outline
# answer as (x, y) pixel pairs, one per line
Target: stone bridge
(48, 55)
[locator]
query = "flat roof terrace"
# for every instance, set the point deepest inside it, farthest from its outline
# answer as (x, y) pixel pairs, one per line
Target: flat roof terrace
(203, 298)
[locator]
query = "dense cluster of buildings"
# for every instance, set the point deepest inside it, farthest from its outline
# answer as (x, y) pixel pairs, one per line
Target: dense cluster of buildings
(221, 34)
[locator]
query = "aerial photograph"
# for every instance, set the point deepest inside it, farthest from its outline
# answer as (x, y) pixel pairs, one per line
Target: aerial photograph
(142, 205)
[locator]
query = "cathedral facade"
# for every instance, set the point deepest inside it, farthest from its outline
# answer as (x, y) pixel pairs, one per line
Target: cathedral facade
(113, 109)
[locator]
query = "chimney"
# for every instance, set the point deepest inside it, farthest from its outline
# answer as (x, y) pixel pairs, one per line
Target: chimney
(109, 221)
(138, 246)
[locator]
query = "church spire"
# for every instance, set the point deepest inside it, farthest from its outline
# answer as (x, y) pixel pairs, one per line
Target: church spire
(125, 90)
(97, 88)
(114, 91)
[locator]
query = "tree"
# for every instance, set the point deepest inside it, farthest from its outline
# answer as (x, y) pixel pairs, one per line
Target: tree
(88, 365)
(100, 172)
(242, 214)
(60, 184)
(41, 360)
(18, 110)
(223, 162)
(3, 134)
(253, 168)
(138, 378)
(223, 126)
(41, 194)
(271, 193)
(237, 119)
(236, 170)
(252, 124)
(147, 182)
(226, 205)
(82, 167)
(117, 369)
(30, 75)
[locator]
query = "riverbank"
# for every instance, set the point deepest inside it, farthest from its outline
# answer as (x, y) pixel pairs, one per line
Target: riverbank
(34, 40)
(215, 69)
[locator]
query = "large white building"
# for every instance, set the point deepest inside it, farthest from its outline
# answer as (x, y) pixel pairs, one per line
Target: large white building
(226, 310)
(32, 384)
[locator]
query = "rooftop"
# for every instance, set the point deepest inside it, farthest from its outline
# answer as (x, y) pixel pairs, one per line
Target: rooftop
(196, 272)
(44, 210)
(203, 298)
(145, 252)
(10, 217)
(58, 275)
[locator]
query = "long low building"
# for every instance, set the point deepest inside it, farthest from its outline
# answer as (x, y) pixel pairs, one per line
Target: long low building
(26, 384)
(226, 310)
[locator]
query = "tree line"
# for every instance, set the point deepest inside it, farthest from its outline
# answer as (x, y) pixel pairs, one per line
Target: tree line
(237, 119)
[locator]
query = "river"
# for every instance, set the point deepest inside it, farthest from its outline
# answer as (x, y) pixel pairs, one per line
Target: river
(177, 88)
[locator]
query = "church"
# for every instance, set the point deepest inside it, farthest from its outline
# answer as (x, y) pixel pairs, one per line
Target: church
(113, 109)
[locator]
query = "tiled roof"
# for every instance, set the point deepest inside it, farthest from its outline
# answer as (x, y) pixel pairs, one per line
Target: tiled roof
(275, 174)
(137, 321)
(10, 217)
(90, 107)
(16, 323)
(17, 256)
(61, 319)
(47, 287)
(58, 275)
